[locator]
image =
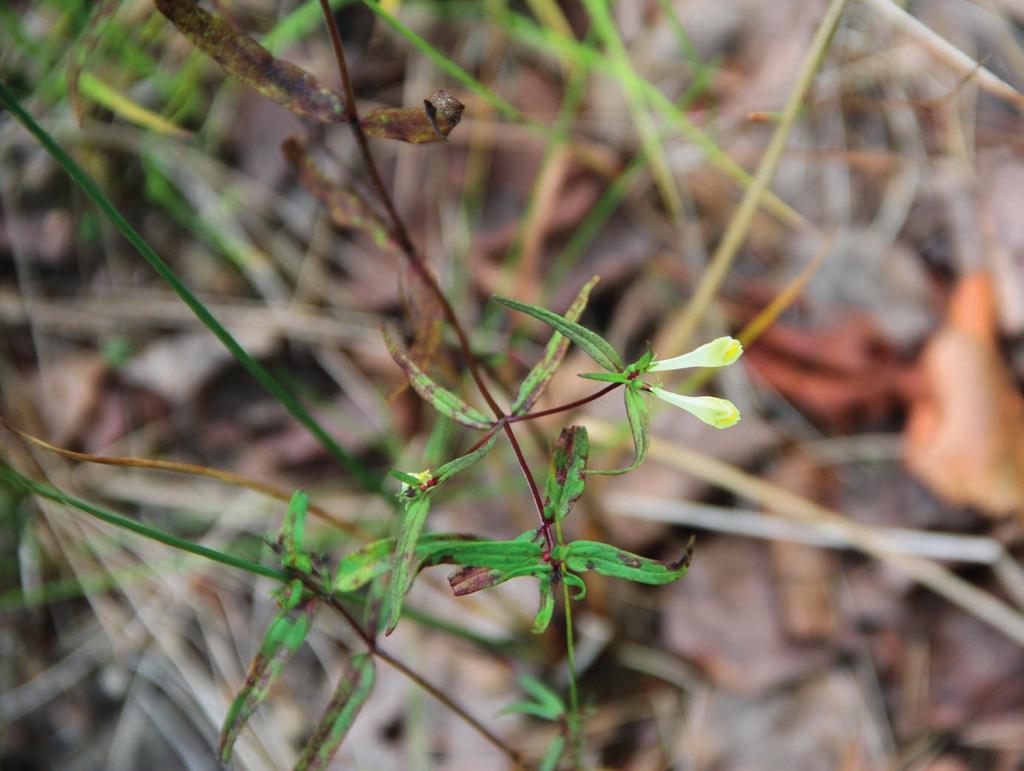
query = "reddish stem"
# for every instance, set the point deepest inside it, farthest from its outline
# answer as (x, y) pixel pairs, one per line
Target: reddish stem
(564, 407)
(419, 264)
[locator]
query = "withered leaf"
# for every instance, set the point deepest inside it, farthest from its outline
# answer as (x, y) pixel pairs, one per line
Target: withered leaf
(440, 114)
(346, 209)
(245, 59)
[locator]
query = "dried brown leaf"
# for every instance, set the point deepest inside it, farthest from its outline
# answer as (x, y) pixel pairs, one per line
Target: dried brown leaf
(965, 435)
(440, 114)
(245, 59)
(346, 209)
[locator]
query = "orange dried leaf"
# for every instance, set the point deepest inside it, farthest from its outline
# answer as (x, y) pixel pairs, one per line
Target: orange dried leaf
(245, 59)
(965, 434)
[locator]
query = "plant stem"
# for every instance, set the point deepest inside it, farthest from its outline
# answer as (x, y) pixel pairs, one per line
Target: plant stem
(371, 643)
(570, 660)
(419, 265)
(564, 407)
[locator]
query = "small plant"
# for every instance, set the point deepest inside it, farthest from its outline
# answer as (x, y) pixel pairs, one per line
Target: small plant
(378, 576)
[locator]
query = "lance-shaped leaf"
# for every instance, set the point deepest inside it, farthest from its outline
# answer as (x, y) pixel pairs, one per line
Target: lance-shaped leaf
(443, 400)
(345, 208)
(283, 637)
(440, 114)
(565, 481)
(611, 561)
(245, 59)
(289, 540)
(486, 567)
(546, 607)
(350, 695)
(595, 346)
(544, 702)
(639, 418)
(553, 754)
(405, 554)
(358, 568)
(453, 467)
(535, 383)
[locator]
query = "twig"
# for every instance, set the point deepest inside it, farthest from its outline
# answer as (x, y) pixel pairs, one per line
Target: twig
(371, 643)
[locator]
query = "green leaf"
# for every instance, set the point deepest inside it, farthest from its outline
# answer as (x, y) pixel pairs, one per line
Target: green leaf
(565, 480)
(283, 637)
(639, 425)
(535, 383)
(291, 536)
(595, 346)
(404, 478)
(611, 561)
(358, 568)
(405, 553)
(545, 703)
(351, 693)
(245, 59)
(546, 607)
(441, 113)
(443, 400)
(453, 467)
(606, 377)
(554, 753)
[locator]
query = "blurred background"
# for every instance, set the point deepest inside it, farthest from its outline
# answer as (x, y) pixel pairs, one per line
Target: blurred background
(856, 599)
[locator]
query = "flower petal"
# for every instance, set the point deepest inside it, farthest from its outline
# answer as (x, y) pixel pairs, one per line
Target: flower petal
(717, 353)
(720, 413)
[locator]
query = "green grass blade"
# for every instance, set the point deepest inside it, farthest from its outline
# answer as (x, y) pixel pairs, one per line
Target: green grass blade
(20, 481)
(82, 179)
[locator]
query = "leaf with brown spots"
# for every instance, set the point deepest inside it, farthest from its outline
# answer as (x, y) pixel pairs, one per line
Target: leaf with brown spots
(611, 561)
(245, 59)
(565, 481)
(440, 114)
(443, 400)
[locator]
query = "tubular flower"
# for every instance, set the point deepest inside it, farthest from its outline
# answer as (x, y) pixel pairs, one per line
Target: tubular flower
(718, 353)
(720, 413)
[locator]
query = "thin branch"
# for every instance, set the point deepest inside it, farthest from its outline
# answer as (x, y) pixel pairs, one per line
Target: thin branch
(371, 643)
(228, 477)
(419, 265)
(564, 407)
